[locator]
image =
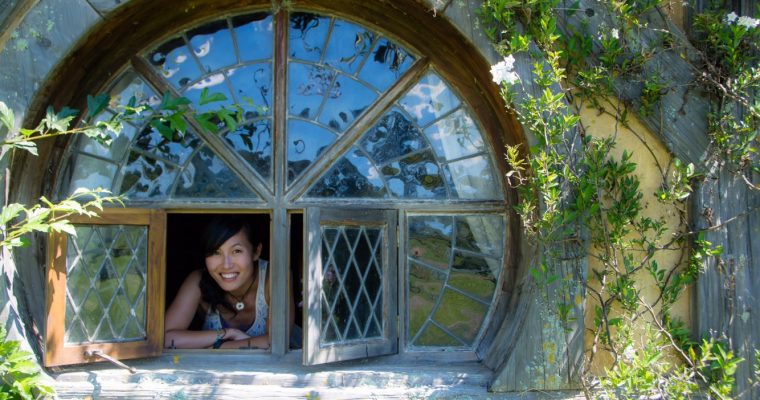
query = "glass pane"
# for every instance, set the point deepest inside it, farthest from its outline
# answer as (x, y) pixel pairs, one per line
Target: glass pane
(386, 64)
(430, 239)
(435, 336)
(117, 149)
(212, 44)
(455, 136)
(175, 62)
(307, 87)
(352, 176)
(425, 286)
(307, 36)
(177, 150)
(430, 99)
(474, 275)
(417, 176)
(253, 89)
(216, 84)
(132, 85)
(99, 287)
(348, 47)
(207, 176)
(254, 36)
(306, 141)
(87, 172)
(253, 141)
(481, 234)
(146, 177)
(348, 99)
(352, 283)
(460, 315)
(392, 137)
(473, 178)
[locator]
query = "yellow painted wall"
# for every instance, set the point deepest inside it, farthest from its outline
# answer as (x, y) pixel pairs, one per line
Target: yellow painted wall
(653, 162)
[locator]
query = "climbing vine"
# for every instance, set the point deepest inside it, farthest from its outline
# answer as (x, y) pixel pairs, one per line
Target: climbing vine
(575, 192)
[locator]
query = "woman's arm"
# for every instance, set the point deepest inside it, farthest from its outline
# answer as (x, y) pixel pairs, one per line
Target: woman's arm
(180, 315)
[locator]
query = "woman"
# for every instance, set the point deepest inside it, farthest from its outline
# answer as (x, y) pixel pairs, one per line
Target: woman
(231, 294)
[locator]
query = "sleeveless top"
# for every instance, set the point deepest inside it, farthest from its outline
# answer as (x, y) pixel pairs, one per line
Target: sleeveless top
(214, 321)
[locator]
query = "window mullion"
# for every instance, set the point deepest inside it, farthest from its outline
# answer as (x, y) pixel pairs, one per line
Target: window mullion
(357, 128)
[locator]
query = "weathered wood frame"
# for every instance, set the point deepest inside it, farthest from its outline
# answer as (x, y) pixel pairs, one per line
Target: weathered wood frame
(313, 353)
(56, 351)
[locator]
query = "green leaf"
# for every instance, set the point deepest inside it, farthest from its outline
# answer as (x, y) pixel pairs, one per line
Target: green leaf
(164, 130)
(6, 117)
(204, 120)
(63, 226)
(214, 97)
(95, 105)
(9, 212)
(24, 145)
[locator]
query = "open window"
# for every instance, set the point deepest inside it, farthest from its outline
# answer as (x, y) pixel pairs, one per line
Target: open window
(351, 298)
(105, 288)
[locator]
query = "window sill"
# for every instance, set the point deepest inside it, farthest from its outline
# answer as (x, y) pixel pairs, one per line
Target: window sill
(236, 374)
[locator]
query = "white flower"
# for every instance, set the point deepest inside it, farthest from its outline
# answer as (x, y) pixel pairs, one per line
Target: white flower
(629, 353)
(503, 71)
(615, 33)
(748, 22)
(730, 18)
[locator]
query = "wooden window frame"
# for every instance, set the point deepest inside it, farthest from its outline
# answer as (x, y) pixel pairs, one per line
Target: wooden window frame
(56, 351)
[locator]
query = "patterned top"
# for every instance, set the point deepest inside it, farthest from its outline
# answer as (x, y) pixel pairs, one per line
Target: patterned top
(259, 327)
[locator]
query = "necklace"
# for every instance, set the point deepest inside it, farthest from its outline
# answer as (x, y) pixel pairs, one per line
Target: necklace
(240, 305)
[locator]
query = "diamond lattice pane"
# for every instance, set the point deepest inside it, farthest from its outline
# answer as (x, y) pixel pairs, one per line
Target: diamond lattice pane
(352, 284)
(105, 285)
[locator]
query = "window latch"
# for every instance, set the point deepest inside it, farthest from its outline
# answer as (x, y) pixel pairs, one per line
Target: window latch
(98, 353)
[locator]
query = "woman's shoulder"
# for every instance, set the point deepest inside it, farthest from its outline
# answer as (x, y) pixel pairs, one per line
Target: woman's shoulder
(194, 276)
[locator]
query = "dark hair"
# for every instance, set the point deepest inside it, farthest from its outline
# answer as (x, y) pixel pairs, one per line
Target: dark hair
(218, 230)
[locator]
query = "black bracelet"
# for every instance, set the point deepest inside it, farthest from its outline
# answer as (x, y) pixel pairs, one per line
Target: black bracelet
(220, 334)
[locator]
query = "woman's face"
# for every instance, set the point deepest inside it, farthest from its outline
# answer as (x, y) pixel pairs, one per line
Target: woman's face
(231, 265)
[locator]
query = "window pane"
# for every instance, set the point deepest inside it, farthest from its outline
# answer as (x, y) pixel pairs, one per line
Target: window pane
(254, 36)
(146, 177)
(474, 275)
(460, 315)
(84, 171)
(430, 239)
(207, 176)
(352, 284)
(131, 85)
(393, 136)
(347, 100)
(307, 36)
(175, 63)
(472, 178)
(348, 47)
(307, 88)
(306, 142)
(212, 44)
(253, 89)
(455, 136)
(253, 142)
(417, 177)
(425, 286)
(101, 274)
(429, 100)
(116, 149)
(433, 336)
(353, 176)
(481, 234)
(386, 64)
(177, 149)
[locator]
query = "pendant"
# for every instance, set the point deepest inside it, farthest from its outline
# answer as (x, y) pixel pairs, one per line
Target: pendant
(239, 305)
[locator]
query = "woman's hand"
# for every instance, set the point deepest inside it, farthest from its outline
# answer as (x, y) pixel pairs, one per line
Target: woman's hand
(235, 334)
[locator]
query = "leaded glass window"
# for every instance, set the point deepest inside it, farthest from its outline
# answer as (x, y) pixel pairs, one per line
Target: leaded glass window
(333, 112)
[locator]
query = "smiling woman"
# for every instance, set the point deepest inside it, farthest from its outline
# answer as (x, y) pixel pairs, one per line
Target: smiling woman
(231, 293)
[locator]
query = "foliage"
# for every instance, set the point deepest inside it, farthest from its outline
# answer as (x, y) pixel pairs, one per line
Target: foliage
(573, 191)
(20, 377)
